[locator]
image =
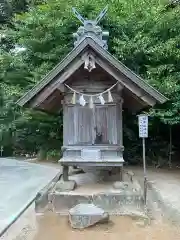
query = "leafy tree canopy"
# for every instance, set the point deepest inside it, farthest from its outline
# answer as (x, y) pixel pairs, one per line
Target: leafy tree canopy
(144, 35)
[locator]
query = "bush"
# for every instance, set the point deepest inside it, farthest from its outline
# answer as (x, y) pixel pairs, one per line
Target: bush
(53, 155)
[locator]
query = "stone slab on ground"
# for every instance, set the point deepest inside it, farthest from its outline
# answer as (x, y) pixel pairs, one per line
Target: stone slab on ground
(85, 215)
(63, 186)
(19, 183)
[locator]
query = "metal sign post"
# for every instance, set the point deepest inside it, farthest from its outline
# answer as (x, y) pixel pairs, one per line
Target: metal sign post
(1, 151)
(143, 133)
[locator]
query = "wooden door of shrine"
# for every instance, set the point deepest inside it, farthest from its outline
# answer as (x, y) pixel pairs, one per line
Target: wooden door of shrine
(106, 123)
(84, 125)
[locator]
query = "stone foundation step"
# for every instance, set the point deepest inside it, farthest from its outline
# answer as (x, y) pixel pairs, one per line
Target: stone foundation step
(115, 203)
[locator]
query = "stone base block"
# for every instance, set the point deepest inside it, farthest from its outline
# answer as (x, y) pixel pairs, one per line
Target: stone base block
(116, 203)
(120, 185)
(63, 186)
(85, 215)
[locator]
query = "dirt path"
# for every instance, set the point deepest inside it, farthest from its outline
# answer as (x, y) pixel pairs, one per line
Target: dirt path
(56, 227)
(51, 226)
(166, 184)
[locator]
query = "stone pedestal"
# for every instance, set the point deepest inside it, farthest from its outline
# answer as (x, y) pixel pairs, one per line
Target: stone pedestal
(119, 201)
(65, 173)
(65, 186)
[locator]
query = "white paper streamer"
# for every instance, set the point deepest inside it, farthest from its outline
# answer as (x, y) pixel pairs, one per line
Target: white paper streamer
(110, 99)
(91, 104)
(82, 101)
(102, 101)
(73, 101)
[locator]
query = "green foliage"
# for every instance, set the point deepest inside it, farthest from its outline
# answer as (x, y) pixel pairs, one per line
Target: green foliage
(36, 130)
(53, 155)
(5, 11)
(144, 35)
(9, 7)
(151, 48)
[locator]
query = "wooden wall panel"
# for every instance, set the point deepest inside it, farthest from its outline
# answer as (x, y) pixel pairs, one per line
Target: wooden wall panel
(69, 127)
(112, 124)
(101, 122)
(119, 119)
(84, 123)
(106, 120)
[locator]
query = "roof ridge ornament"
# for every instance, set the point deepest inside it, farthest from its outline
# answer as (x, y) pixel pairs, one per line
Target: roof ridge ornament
(91, 29)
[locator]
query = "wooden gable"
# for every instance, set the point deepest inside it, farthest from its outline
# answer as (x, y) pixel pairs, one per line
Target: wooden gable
(48, 93)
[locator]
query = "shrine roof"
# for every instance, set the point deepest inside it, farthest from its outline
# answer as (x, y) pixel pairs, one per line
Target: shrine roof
(86, 44)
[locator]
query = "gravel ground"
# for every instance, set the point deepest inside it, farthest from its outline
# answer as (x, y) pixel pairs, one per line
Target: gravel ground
(55, 227)
(166, 182)
(31, 227)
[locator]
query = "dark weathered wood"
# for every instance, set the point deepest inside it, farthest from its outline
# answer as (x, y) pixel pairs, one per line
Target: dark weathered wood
(51, 75)
(84, 123)
(81, 125)
(53, 103)
(132, 102)
(120, 123)
(69, 134)
(127, 72)
(48, 90)
(106, 123)
(148, 99)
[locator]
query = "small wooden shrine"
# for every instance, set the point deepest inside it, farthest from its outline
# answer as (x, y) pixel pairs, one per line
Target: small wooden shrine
(92, 87)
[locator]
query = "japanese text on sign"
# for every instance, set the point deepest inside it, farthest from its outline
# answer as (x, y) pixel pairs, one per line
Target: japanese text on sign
(143, 126)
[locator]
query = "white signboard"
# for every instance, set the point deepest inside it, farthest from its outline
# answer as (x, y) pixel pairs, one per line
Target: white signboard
(143, 126)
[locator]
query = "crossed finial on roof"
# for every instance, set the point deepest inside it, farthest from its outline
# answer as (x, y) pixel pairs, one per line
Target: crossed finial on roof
(96, 21)
(91, 29)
